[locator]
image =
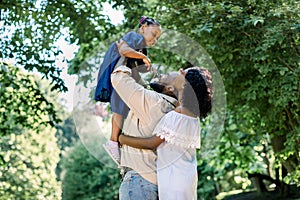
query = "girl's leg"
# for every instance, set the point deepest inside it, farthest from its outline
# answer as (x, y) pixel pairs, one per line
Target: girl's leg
(112, 146)
(119, 109)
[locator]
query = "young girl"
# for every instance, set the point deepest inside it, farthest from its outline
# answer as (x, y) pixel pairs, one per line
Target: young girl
(147, 35)
(177, 136)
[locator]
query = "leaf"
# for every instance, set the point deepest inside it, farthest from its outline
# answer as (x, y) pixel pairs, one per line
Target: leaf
(258, 21)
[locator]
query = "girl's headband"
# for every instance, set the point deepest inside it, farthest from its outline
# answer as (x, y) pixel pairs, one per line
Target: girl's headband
(142, 19)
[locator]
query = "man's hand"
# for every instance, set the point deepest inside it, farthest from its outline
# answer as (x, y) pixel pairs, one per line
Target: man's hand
(154, 70)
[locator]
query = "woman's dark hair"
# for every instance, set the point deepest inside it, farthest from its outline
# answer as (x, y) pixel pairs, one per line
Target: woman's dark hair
(148, 21)
(197, 92)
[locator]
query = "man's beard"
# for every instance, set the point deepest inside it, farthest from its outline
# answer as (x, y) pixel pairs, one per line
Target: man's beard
(157, 87)
(161, 89)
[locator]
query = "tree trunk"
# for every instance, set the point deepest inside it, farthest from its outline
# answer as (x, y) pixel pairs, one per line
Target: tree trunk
(291, 162)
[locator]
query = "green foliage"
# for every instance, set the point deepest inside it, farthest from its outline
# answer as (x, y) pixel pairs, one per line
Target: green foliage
(28, 149)
(30, 29)
(66, 134)
(207, 180)
(24, 105)
(30, 160)
(255, 45)
(66, 138)
(84, 177)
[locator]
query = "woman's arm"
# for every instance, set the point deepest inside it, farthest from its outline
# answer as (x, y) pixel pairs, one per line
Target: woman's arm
(141, 143)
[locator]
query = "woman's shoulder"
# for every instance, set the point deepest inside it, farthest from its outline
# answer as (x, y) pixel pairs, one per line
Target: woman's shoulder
(174, 119)
(177, 114)
(171, 115)
(179, 129)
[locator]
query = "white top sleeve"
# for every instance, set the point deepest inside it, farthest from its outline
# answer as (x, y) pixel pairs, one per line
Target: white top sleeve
(179, 129)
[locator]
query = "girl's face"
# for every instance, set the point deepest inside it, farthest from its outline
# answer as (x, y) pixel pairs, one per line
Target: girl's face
(151, 33)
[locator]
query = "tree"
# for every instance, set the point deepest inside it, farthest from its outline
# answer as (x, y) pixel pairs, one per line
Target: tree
(29, 34)
(24, 104)
(30, 31)
(28, 149)
(84, 177)
(66, 138)
(30, 162)
(66, 133)
(256, 46)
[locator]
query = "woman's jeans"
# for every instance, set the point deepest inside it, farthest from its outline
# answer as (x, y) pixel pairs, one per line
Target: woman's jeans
(135, 187)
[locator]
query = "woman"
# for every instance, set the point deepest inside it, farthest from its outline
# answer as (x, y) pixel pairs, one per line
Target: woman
(177, 136)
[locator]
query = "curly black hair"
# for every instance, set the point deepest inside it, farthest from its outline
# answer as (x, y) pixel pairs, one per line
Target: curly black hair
(197, 92)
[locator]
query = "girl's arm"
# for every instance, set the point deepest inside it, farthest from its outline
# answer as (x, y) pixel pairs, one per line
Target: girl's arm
(141, 143)
(127, 51)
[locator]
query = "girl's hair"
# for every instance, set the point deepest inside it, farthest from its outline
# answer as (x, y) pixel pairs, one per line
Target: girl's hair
(197, 93)
(148, 21)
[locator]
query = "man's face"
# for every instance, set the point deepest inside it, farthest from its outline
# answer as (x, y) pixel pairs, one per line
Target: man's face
(169, 83)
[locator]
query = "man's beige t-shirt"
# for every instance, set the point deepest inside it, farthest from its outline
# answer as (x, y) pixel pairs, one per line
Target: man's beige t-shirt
(146, 109)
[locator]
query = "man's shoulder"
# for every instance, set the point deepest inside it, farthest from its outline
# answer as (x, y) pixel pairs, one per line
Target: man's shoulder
(121, 67)
(167, 103)
(167, 98)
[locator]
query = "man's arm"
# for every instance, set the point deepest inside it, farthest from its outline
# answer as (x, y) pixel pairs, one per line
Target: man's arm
(136, 97)
(141, 143)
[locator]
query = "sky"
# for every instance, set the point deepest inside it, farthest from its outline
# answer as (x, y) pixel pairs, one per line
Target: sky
(116, 16)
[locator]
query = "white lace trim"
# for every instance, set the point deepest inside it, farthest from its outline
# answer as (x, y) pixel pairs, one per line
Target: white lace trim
(178, 138)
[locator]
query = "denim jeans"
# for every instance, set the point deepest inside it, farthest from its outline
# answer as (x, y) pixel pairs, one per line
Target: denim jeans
(135, 187)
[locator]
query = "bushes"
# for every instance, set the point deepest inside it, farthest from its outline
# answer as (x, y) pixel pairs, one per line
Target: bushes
(85, 177)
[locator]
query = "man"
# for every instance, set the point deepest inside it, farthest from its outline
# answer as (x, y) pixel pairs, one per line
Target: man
(146, 109)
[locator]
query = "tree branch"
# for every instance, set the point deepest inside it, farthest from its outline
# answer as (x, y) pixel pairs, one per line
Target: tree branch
(286, 64)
